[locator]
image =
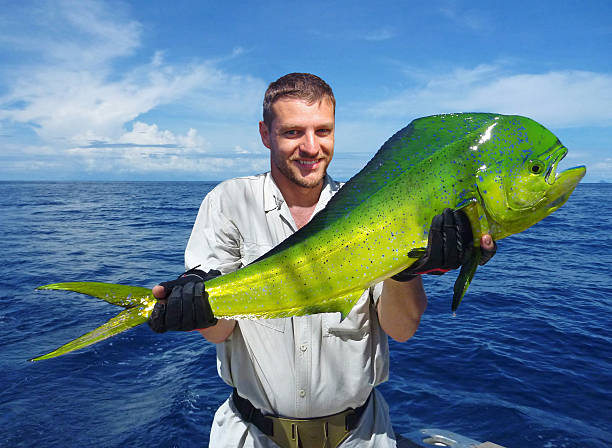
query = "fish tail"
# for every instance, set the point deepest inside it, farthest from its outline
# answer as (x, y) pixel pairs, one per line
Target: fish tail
(121, 295)
(138, 301)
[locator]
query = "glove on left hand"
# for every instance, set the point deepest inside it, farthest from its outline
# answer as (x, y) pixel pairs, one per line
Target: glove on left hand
(449, 246)
(188, 307)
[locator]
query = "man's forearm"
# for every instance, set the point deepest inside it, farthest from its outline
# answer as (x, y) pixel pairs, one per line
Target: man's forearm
(400, 307)
(220, 332)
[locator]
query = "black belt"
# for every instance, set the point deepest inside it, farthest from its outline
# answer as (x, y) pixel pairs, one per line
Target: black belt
(251, 414)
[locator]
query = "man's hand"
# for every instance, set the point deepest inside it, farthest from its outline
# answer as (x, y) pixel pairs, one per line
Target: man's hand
(449, 246)
(187, 307)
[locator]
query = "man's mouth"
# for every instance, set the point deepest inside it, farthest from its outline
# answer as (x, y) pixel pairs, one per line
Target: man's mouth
(307, 163)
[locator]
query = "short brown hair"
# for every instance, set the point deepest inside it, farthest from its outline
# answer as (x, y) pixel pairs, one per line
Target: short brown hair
(304, 86)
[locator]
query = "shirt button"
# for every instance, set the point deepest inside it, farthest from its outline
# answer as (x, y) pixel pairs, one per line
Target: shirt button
(302, 393)
(303, 347)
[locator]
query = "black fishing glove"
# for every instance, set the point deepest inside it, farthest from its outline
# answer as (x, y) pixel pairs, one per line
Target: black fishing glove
(449, 246)
(187, 307)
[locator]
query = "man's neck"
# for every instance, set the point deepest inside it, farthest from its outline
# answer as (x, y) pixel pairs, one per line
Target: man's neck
(301, 201)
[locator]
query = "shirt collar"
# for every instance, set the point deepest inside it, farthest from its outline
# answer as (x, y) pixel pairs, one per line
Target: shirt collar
(273, 198)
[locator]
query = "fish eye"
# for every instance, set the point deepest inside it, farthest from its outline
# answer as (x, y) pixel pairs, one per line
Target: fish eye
(536, 167)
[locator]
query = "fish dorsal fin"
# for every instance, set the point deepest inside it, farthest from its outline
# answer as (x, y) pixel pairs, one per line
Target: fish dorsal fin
(416, 142)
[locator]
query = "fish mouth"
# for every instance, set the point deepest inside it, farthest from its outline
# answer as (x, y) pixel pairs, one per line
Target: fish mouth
(563, 185)
(566, 179)
(557, 155)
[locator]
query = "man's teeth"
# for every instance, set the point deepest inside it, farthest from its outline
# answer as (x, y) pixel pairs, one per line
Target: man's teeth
(307, 162)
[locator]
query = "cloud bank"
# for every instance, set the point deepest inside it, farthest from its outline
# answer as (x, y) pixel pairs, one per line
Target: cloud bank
(81, 92)
(558, 99)
(85, 93)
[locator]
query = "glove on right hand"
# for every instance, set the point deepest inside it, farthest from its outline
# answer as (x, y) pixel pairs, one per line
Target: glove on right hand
(187, 307)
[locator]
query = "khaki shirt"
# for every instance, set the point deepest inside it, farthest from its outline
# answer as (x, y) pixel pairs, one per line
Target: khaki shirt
(298, 367)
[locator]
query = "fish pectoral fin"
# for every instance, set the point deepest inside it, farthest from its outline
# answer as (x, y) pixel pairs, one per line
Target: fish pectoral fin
(121, 295)
(125, 320)
(417, 252)
(466, 203)
(477, 216)
(468, 269)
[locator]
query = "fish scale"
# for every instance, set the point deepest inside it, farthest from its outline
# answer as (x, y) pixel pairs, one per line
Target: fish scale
(377, 224)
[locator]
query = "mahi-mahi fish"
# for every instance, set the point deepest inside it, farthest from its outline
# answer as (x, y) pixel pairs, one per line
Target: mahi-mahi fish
(500, 169)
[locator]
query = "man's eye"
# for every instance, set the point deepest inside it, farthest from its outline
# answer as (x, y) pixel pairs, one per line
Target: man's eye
(324, 132)
(291, 133)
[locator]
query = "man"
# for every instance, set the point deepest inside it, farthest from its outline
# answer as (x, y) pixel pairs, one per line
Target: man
(317, 373)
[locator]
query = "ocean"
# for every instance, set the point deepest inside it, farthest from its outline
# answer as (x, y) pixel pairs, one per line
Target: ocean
(527, 361)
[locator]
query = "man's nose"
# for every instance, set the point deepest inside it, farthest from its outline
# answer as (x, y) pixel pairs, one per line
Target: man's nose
(309, 146)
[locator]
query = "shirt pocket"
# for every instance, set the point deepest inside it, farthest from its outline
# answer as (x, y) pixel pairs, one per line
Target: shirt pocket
(355, 325)
(273, 324)
(351, 328)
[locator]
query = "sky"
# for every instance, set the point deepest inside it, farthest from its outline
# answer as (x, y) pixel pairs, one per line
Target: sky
(157, 90)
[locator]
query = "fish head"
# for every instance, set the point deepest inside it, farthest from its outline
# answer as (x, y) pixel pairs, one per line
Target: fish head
(518, 181)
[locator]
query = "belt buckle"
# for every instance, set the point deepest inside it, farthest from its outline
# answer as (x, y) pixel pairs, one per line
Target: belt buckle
(326, 432)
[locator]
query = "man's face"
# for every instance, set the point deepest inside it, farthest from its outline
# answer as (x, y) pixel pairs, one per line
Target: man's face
(301, 140)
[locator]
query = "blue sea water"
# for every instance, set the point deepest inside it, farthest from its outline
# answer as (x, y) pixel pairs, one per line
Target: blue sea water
(527, 361)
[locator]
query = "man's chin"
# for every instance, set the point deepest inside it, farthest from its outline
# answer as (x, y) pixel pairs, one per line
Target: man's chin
(297, 177)
(308, 182)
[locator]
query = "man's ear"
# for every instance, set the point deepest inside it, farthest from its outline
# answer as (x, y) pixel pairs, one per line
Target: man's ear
(264, 132)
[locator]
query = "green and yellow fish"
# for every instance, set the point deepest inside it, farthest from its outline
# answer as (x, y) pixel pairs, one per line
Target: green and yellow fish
(502, 170)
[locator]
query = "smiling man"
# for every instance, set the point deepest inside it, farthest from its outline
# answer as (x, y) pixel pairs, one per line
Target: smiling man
(304, 381)
(300, 136)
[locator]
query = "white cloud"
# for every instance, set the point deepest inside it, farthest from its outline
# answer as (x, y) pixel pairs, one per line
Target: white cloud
(143, 134)
(76, 33)
(379, 35)
(80, 105)
(158, 59)
(465, 17)
(70, 91)
(355, 33)
(557, 99)
(258, 150)
(148, 149)
(159, 160)
(109, 33)
(605, 164)
(601, 169)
